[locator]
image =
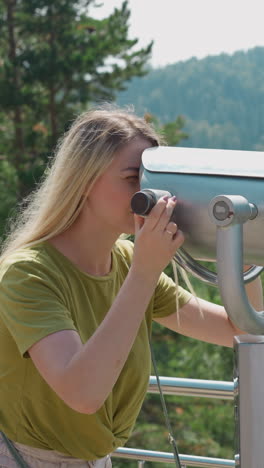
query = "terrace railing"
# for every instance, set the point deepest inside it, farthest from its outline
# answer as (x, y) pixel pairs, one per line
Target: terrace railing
(186, 387)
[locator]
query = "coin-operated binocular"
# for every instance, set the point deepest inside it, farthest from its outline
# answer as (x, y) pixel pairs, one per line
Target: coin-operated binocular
(220, 209)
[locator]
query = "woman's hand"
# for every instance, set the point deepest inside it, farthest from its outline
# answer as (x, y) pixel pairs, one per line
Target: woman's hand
(157, 238)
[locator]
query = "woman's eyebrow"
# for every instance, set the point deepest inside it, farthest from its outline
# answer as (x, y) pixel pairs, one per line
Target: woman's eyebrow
(131, 169)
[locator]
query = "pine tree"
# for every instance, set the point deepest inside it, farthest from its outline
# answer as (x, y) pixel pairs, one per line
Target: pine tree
(55, 61)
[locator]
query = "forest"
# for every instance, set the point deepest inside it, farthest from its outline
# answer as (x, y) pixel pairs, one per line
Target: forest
(221, 99)
(54, 63)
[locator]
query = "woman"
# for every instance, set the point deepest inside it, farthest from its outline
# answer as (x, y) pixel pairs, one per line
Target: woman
(76, 303)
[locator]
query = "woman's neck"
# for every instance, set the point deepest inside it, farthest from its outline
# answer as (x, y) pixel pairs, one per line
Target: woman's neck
(87, 246)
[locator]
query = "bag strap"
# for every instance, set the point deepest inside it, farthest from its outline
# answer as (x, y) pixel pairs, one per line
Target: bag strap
(14, 452)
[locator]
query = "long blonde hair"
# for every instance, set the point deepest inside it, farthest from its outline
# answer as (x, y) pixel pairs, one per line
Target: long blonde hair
(81, 156)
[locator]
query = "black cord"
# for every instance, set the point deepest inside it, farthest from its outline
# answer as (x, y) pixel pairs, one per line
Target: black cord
(165, 412)
(13, 451)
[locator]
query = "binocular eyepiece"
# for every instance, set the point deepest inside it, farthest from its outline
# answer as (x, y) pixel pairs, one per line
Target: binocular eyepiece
(142, 202)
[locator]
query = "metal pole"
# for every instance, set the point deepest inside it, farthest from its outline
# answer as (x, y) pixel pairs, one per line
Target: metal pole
(165, 457)
(249, 410)
(141, 464)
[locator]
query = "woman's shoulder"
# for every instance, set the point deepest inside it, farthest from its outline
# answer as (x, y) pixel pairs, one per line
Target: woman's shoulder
(124, 248)
(34, 259)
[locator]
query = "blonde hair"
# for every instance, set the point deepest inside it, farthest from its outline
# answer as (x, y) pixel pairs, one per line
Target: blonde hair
(175, 269)
(82, 155)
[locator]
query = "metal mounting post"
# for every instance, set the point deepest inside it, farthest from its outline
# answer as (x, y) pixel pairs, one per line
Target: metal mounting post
(229, 213)
(249, 412)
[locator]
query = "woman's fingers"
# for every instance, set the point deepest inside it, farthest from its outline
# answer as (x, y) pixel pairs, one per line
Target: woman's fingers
(166, 214)
(174, 235)
(160, 214)
(153, 218)
(139, 222)
(157, 238)
(171, 229)
(158, 223)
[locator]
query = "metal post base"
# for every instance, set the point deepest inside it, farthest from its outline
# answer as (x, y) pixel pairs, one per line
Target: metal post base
(249, 395)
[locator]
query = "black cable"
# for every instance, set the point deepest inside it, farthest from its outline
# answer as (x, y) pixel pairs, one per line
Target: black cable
(165, 412)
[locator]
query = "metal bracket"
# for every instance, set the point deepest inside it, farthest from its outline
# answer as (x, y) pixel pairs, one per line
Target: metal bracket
(229, 213)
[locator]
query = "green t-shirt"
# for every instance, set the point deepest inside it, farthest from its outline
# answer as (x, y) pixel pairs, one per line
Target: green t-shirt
(42, 292)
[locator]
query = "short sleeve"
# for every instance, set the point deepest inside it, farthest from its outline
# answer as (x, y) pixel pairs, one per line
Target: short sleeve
(165, 298)
(31, 304)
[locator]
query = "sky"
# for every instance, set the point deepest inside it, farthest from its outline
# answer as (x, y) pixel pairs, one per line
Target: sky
(192, 28)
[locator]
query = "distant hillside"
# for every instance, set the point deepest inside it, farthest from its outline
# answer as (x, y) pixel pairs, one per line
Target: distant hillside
(221, 98)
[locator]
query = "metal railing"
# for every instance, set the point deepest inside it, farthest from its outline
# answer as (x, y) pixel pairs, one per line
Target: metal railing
(193, 387)
(186, 387)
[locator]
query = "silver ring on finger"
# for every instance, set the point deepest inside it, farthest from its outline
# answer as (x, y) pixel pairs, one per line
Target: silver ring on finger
(169, 232)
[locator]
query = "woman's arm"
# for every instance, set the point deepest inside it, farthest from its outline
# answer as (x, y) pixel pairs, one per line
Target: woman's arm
(83, 375)
(212, 323)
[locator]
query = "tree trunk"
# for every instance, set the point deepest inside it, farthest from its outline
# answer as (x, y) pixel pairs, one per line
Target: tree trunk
(19, 147)
(53, 115)
(52, 89)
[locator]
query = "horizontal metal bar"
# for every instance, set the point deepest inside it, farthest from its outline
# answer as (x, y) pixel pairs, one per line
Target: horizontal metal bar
(186, 387)
(165, 457)
(193, 387)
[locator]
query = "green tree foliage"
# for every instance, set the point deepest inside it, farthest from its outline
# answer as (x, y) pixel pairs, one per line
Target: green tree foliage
(221, 98)
(55, 60)
(8, 184)
(172, 132)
